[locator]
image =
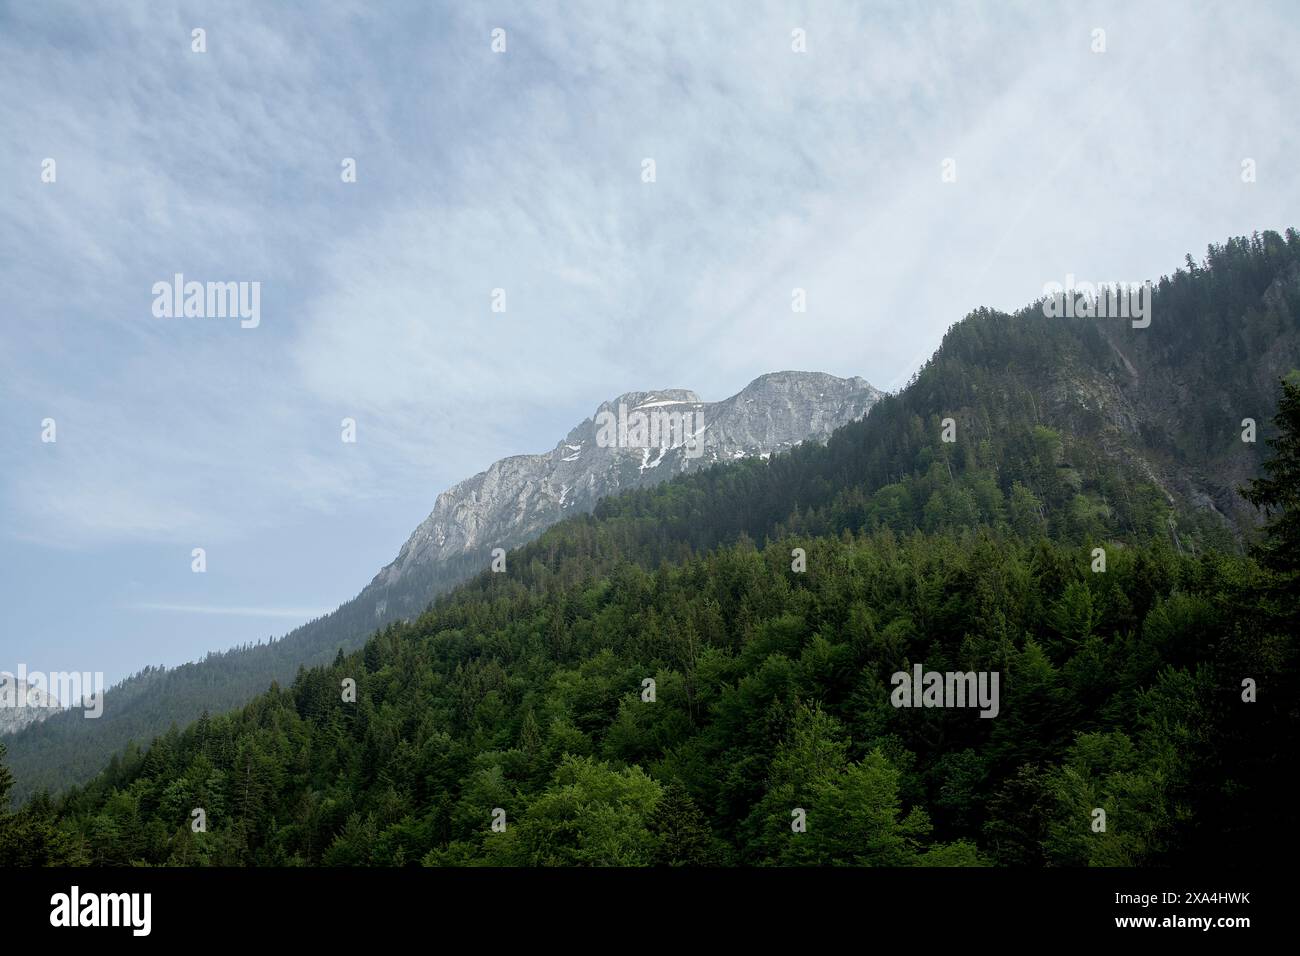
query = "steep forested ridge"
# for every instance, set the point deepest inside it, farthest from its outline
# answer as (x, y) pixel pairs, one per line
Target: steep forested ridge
(523, 692)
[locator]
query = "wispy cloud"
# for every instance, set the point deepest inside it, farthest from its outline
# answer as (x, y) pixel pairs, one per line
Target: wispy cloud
(288, 613)
(522, 171)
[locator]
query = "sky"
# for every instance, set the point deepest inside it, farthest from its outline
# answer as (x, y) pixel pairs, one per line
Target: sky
(909, 163)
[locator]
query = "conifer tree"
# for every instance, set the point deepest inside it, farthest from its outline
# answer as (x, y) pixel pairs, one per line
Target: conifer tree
(1278, 493)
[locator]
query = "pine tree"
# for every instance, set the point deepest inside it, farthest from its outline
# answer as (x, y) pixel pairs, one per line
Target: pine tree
(684, 835)
(6, 784)
(1278, 494)
(6, 819)
(530, 735)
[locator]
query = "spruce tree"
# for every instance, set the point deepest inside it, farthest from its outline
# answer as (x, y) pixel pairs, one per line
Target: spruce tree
(684, 836)
(1278, 493)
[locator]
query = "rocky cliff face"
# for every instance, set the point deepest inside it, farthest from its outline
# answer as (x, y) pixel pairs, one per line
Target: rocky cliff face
(21, 704)
(637, 439)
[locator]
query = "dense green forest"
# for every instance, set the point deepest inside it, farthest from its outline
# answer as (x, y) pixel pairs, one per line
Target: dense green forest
(1122, 691)
(522, 695)
(1063, 427)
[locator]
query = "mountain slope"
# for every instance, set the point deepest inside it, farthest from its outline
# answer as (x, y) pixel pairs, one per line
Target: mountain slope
(506, 505)
(517, 498)
(1122, 690)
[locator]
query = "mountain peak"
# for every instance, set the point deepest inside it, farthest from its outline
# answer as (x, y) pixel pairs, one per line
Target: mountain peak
(793, 378)
(515, 499)
(662, 396)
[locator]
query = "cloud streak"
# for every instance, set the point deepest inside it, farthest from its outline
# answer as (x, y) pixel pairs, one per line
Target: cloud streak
(521, 171)
(287, 613)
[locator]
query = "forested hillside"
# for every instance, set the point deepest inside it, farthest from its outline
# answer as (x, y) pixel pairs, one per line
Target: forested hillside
(65, 748)
(1089, 424)
(1122, 689)
(1122, 692)
(506, 505)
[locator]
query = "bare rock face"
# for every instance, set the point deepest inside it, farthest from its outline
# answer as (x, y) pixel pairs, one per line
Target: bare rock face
(635, 440)
(22, 704)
